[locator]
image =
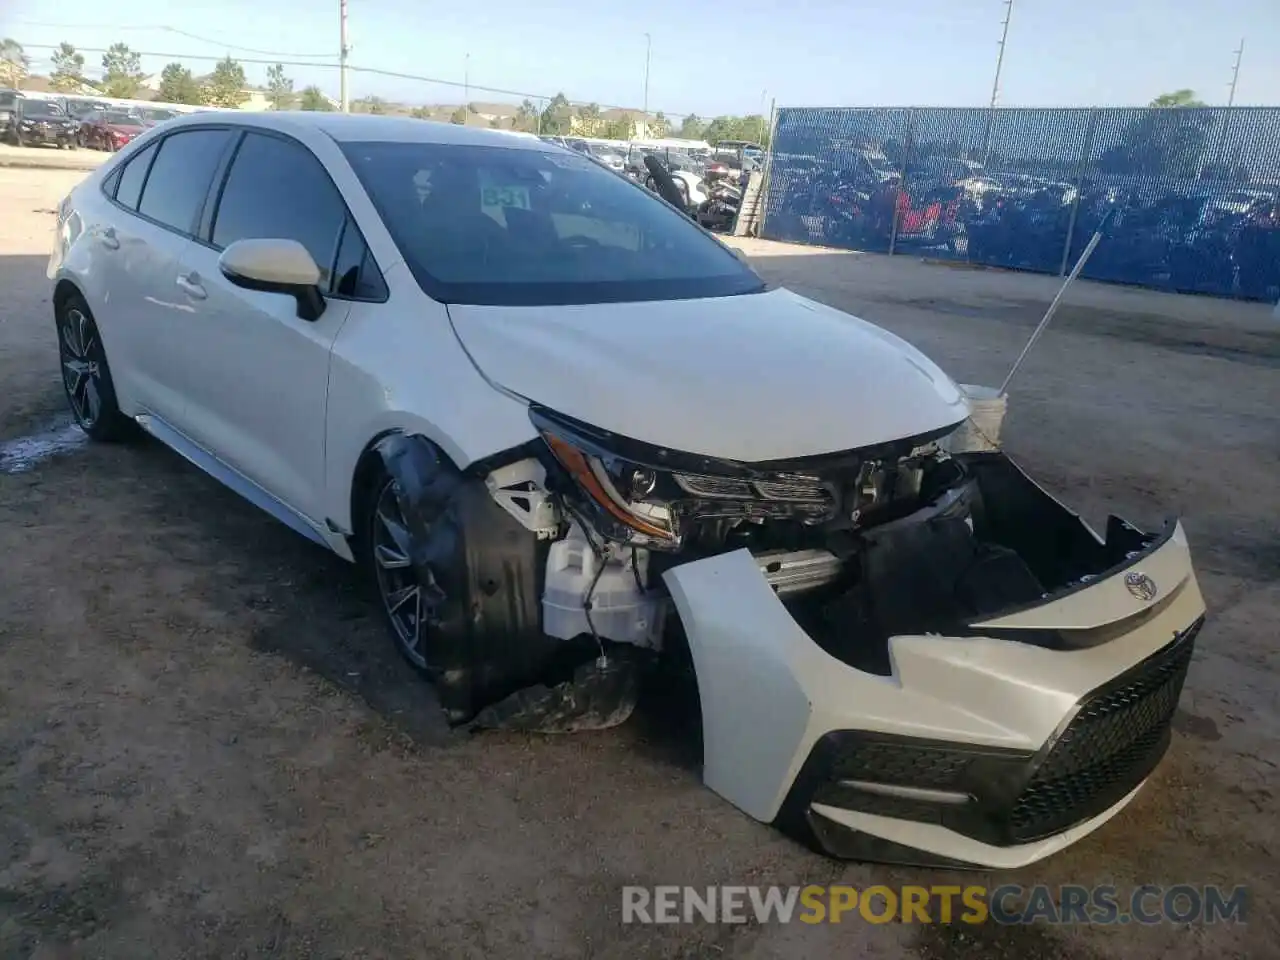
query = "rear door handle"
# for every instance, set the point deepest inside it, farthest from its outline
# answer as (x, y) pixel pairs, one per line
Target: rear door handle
(190, 285)
(109, 239)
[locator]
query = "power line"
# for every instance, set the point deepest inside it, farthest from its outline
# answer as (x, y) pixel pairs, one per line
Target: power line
(375, 71)
(163, 29)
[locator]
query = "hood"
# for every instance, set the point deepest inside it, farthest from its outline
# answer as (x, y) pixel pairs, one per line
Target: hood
(124, 131)
(766, 376)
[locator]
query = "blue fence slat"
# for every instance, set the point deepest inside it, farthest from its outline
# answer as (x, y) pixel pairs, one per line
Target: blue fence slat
(1196, 190)
(830, 177)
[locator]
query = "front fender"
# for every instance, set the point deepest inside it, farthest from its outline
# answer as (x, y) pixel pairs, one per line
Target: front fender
(399, 368)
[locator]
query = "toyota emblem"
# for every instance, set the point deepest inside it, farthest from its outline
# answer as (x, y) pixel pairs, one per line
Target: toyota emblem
(1141, 586)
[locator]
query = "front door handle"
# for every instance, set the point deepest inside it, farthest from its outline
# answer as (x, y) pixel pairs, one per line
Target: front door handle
(109, 239)
(191, 286)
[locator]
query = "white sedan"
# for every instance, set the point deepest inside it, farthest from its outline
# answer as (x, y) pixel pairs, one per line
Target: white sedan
(568, 432)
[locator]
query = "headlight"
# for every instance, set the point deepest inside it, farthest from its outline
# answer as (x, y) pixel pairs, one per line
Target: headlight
(651, 495)
(626, 493)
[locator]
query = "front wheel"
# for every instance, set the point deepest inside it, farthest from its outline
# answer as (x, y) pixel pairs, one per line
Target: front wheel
(411, 597)
(86, 378)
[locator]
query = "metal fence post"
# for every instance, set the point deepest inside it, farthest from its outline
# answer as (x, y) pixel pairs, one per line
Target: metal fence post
(908, 147)
(768, 169)
(1086, 154)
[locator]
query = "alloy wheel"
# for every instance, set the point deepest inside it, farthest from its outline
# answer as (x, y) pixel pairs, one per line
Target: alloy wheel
(410, 595)
(79, 352)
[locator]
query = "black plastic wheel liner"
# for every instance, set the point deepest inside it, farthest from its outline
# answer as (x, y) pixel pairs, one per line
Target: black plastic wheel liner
(487, 640)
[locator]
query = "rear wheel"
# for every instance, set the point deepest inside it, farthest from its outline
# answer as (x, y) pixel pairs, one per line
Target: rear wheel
(86, 378)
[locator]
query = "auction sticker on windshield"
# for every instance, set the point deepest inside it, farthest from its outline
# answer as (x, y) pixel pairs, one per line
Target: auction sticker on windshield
(495, 195)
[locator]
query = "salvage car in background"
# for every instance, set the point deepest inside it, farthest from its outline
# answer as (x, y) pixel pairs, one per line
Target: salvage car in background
(566, 431)
(109, 129)
(38, 122)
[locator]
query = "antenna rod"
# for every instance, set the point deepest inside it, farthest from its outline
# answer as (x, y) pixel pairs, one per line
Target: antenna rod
(1235, 74)
(995, 84)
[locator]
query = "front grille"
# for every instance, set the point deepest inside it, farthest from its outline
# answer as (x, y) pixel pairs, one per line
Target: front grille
(1114, 741)
(784, 487)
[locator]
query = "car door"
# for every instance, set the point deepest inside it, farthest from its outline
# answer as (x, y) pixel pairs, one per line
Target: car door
(257, 401)
(158, 197)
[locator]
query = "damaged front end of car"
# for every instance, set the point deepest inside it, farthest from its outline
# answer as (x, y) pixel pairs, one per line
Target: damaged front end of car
(902, 653)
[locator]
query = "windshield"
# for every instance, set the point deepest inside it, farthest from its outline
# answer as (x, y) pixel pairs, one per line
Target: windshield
(43, 111)
(121, 119)
(519, 227)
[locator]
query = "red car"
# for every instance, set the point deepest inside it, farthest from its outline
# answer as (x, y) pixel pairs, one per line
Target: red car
(110, 130)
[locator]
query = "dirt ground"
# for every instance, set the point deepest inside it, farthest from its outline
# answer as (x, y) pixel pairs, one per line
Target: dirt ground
(208, 748)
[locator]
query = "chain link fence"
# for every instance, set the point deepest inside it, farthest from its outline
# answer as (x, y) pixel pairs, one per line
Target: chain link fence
(1197, 190)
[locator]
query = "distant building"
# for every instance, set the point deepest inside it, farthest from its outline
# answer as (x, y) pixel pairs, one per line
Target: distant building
(36, 84)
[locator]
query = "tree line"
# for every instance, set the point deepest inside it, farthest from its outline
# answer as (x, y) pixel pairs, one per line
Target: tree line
(123, 77)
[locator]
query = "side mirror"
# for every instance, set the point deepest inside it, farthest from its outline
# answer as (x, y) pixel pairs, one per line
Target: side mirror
(276, 266)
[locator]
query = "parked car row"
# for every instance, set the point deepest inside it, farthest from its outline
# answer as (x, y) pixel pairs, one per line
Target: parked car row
(706, 180)
(33, 119)
(29, 122)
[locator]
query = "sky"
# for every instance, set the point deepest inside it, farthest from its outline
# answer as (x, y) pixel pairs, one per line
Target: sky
(706, 58)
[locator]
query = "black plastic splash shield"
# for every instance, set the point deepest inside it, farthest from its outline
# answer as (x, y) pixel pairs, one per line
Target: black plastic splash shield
(486, 641)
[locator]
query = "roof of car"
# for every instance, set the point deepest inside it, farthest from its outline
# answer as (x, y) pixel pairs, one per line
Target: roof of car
(369, 127)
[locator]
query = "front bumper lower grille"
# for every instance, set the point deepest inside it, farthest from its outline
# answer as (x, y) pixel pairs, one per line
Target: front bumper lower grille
(1108, 745)
(1116, 738)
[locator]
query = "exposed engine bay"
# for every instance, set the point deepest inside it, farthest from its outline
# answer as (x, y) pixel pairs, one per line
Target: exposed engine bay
(860, 546)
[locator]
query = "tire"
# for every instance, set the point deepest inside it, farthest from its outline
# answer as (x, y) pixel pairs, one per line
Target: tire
(379, 511)
(86, 377)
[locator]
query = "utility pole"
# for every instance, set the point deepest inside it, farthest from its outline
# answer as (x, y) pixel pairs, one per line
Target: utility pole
(466, 88)
(343, 51)
(648, 49)
(995, 85)
(1235, 74)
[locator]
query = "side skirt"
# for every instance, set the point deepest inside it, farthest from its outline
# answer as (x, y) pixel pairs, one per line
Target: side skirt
(239, 483)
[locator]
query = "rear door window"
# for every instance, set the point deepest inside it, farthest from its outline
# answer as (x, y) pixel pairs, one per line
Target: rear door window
(180, 176)
(133, 176)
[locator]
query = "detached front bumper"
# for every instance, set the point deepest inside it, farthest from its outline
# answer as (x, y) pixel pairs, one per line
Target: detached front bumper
(979, 751)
